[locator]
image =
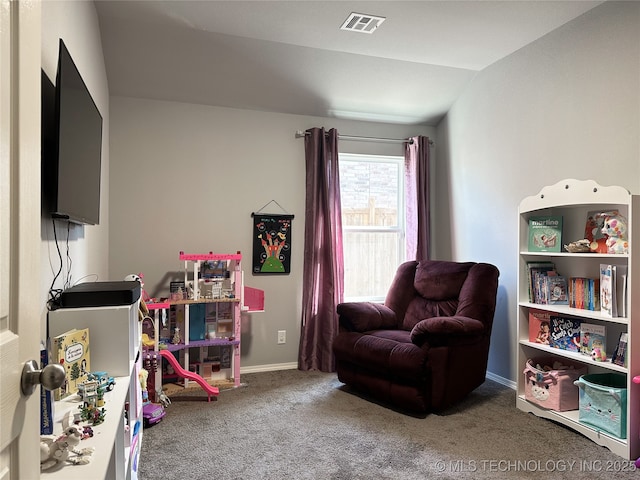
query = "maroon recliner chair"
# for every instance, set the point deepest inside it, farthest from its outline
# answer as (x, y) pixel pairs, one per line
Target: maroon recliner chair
(426, 347)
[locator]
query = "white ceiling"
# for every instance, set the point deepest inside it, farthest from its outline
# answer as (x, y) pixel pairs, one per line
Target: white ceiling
(292, 57)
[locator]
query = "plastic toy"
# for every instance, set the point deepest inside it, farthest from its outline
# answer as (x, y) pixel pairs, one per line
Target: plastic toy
(91, 413)
(104, 380)
(598, 355)
(162, 397)
(63, 449)
(176, 336)
(144, 297)
(211, 390)
(152, 413)
(92, 390)
(615, 228)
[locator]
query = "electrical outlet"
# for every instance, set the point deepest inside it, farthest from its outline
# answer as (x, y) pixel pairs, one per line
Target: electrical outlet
(282, 336)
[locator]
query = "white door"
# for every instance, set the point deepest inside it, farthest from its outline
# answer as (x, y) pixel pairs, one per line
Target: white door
(20, 302)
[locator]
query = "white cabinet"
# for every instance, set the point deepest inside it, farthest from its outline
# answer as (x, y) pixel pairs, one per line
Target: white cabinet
(573, 199)
(114, 342)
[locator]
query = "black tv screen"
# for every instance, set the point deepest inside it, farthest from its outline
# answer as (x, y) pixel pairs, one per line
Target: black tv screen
(75, 148)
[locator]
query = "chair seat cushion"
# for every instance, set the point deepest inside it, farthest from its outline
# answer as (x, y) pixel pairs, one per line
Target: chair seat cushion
(388, 352)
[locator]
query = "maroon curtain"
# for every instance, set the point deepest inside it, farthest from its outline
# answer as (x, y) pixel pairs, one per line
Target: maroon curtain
(323, 274)
(417, 216)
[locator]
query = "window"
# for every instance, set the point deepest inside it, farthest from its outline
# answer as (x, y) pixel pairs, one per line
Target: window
(372, 195)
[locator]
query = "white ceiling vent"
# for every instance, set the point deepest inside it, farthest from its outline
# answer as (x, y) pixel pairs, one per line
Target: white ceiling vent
(360, 22)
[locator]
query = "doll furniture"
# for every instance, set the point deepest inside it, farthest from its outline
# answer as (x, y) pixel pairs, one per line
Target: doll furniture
(426, 347)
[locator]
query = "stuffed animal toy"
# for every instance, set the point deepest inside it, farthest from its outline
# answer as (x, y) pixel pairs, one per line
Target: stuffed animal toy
(615, 229)
(59, 451)
(598, 355)
(143, 311)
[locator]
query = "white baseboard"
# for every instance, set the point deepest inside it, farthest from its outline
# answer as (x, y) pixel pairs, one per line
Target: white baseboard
(501, 380)
(268, 368)
(294, 365)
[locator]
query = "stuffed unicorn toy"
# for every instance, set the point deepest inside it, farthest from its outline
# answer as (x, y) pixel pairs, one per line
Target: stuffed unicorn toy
(615, 229)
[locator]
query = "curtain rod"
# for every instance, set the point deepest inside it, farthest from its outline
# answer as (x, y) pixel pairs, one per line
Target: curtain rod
(301, 134)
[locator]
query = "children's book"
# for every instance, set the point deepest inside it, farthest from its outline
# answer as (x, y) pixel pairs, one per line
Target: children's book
(593, 337)
(539, 326)
(46, 399)
(534, 269)
(576, 292)
(620, 276)
(608, 306)
(545, 234)
(71, 350)
(584, 293)
(540, 286)
(557, 292)
(594, 294)
(620, 355)
(565, 333)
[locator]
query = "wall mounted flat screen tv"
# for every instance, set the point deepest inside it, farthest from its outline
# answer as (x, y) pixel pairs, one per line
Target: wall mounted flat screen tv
(72, 147)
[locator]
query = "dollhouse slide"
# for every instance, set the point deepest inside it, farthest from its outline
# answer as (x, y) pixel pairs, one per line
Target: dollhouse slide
(189, 375)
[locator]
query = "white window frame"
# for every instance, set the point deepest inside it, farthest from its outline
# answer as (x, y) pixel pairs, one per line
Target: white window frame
(400, 228)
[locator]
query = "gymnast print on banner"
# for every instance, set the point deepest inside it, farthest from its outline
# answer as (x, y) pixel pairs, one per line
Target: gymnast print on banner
(271, 243)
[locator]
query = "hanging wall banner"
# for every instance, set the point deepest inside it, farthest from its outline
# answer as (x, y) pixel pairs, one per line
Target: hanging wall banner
(271, 243)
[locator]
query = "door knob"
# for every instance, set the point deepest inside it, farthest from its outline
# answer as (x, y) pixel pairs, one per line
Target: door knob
(51, 377)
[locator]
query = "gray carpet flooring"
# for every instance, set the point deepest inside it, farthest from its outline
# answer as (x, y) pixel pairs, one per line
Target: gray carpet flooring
(307, 425)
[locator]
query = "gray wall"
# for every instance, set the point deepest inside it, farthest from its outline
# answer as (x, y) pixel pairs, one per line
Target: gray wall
(77, 24)
(566, 106)
(187, 177)
(184, 177)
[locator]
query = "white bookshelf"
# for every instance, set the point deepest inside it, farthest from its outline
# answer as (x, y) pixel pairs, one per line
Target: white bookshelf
(573, 199)
(114, 342)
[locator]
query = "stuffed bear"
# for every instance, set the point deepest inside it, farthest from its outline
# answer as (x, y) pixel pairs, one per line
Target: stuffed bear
(615, 229)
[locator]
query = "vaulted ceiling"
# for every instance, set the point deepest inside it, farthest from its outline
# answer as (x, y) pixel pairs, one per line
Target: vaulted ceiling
(292, 56)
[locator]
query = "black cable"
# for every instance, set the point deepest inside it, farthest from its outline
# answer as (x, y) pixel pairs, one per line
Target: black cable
(54, 294)
(67, 282)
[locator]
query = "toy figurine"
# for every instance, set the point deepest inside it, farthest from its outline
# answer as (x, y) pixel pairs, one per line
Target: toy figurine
(63, 449)
(93, 414)
(176, 336)
(143, 311)
(162, 397)
(142, 377)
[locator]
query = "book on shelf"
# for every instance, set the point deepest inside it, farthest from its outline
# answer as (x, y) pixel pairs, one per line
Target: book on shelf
(593, 341)
(539, 326)
(564, 333)
(46, 399)
(613, 290)
(550, 288)
(620, 276)
(584, 293)
(608, 306)
(593, 230)
(545, 233)
(620, 355)
(71, 350)
(534, 269)
(556, 290)
(540, 286)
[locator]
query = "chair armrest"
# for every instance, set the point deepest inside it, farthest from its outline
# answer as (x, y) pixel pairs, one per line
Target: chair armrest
(366, 316)
(455, 326)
